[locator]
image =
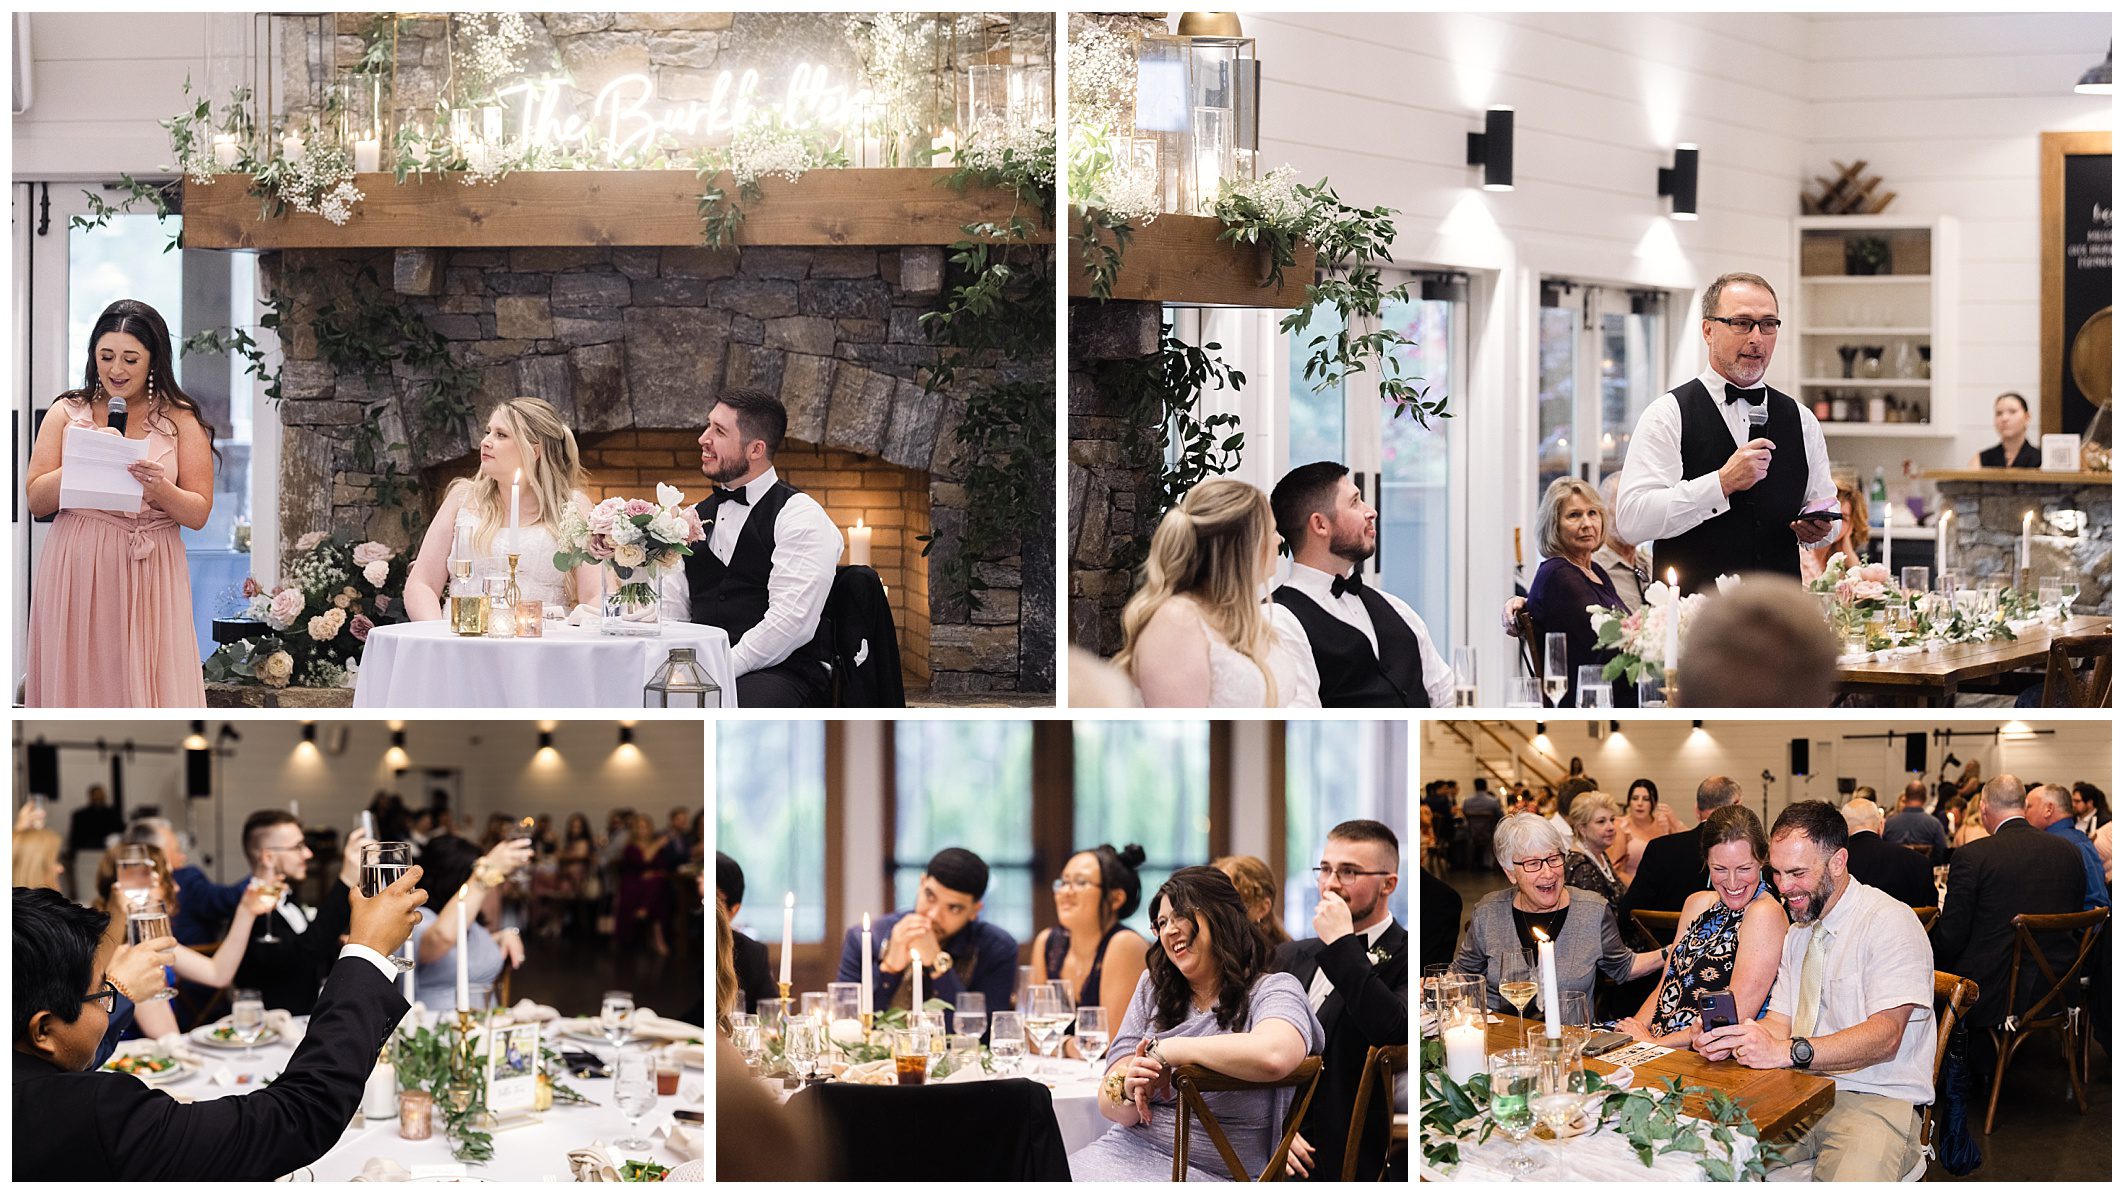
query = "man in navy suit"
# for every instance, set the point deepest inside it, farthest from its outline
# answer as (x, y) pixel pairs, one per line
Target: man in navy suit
(1356, 974)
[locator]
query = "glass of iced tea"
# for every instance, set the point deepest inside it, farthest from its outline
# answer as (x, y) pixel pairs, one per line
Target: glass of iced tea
(910, 1056)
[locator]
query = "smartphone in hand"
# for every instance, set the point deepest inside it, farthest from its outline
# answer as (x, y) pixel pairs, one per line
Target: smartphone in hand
(1717, 1009)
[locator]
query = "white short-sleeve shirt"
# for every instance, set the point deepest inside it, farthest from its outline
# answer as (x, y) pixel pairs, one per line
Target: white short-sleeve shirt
(1878, 958)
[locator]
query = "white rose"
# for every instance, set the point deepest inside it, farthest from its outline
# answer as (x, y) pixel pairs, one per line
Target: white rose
(630, 555)
(669, 496)
(377, 571)
(624, 531)
(668, 527)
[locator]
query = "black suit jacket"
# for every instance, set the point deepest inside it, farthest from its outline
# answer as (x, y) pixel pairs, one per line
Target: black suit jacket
(1668, 873)
(1896, 870)
(286, 972)
(109, 1127)
(1440, 927)
(1992, 880)
(755, 977)
(1368, 1006)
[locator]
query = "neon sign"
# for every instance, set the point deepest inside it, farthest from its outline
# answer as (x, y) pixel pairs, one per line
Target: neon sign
(626, 118)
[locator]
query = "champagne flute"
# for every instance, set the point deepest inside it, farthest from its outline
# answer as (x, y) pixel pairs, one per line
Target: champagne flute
(1092, 1036)
(246, 1018)
(1555, 668)
(634, 1087)
(1006, 1041)
(382, 864)
(1515, 1077)
(269, 886)
(146, 924)
(615, 1014)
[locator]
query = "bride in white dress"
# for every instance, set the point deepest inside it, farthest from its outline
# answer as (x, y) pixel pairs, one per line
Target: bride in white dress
(527, 434)
(1200, 632)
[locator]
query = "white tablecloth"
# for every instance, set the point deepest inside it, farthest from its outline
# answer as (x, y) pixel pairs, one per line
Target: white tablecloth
(531, 1153)
(422, 665)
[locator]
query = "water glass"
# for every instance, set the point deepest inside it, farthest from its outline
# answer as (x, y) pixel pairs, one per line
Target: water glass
(1464, 677)
(615, 1014)
(1917, 578)
(1006, 1041)
(814, 1006)
(634, 1090)
(1652, 691)
(1593, 691)
(2069, 590)
(246, 1017)
(1092, 1036)
(970, 1014)
(745, 1037)
(1522, 692)
(2050, 594)
(1515, 1078)
(846, 1000)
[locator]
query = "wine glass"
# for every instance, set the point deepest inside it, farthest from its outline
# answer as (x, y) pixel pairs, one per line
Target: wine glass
(1047, 1020)
(1464, 677)
(145, 924)
(1515, 1077)
(616, 1015)
(1092, 1036)
(2050, 594)
(970, 1015)
(269, 886)
(136, 876)
(745, 1037)
(246, 1018)
(800, 1044)
(634, 1086)
(1555, 668)
(2069, 592)
(382, 864)
(1559, 1090)
(1006, 1041)
(1515, 980)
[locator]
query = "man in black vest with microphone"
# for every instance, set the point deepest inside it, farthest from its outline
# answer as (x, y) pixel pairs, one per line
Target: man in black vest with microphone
(1721, 465)
(1369, 647)
(765, 570)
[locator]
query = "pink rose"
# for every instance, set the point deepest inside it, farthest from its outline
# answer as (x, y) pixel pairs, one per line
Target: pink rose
(1875, 572)
(601, 546)
(692, 518)
(636, 506)
(250, 587)
(1868, 590)
(376, 572)
(602, 518)
(370, 552)
(359, 627)
(310, 541)
(1845, 588)
(286, 607)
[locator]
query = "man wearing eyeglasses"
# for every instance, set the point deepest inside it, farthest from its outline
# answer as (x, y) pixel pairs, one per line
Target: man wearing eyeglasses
(80, 1126)
(1720, 466)
(287, 969)
(1356, 972)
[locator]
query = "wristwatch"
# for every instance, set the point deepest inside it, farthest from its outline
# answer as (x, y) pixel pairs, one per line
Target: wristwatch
(941, 964)
(1802, 1053)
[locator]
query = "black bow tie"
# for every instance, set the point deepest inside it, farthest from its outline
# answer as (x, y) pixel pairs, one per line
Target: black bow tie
(716, 499)
(1752, 397)
(1345, 584)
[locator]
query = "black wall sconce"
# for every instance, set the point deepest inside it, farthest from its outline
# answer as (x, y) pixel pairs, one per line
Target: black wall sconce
(1679, 181)
(1491, 149)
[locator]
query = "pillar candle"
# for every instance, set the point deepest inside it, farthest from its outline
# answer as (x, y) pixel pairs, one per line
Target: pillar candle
(943, 146)
(291, 146)
(1888, 536)
(1673, 655)
(916, 968)
(516, 502)
(859, 543)
(1464, 1045)
(368, 155)
(1551, 1021)
(864, 1005)
(225, 150)
(463, 951)
(2027, 526)
(1941, 540)
(788, 932)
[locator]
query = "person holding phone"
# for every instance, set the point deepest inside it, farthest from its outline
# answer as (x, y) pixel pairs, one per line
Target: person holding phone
(1726, 951)
(1721, 467)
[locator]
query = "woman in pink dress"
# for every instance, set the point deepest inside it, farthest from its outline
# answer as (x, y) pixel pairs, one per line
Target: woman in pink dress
(111, 606)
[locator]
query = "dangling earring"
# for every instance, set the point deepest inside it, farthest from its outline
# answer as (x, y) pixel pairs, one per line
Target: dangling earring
(151, 389)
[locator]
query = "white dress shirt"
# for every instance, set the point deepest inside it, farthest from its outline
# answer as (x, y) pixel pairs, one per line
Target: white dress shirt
(1877, 959)
(1653, 501)
(1349, 608)
(382, 964)
(807, 546)
(1323, 987)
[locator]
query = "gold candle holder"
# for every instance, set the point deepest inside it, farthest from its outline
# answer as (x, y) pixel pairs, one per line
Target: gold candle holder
(463, 1064)
(1672, 683)
(510, 593)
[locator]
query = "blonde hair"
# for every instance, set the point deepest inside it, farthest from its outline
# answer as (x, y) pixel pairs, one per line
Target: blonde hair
(553, 470)
(1255, 882)
(36, 853)
(1548, 526)
(1587, 805)
(726, 982)
(1848, 498)
(1209, 548)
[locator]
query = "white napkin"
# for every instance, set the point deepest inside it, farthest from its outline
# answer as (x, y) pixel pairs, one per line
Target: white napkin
(383, 1169)
(648, 1023)
(527, 1012)
(583, 615)
(222, 1076)
(592, 1164)
(173, 1044)
(678, 1137)
(286, 1025)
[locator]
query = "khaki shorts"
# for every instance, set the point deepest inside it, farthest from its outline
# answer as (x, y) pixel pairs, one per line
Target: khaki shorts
(1863, 1138)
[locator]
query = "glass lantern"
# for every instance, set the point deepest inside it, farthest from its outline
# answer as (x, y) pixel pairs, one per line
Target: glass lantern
(1223, 114)
(1162, 131)
(681, 683)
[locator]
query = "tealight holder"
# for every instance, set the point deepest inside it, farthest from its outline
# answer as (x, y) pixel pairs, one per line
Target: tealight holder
(501, 612)
(530, 619)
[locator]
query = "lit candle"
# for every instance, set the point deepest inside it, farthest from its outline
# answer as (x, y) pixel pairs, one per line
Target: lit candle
(1464, 1045)
(1551, 1022)
(1888, 536)
(368, 155)
(291, 146)
(864, 1004)
(943, 146)
(916, 967)
(788, 932)
(464, 992)
(516, 501)
(1941, 541)
(859, 542)
(225, 150)
(2027, 528)
(1673, 644)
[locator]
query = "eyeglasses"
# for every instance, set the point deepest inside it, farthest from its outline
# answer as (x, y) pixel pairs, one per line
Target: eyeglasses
(1534, 866)
(296, 848)
(1745, 325)
(1073, 884)
(1345, 872)
(108, 997)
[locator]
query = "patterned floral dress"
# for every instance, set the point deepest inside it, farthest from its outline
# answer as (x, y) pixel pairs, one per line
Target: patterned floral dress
(1702, 961)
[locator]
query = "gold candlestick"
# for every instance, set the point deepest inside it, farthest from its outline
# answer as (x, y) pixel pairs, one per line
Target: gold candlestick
(785, 989)
(510, 594)
(1672, 679)
(463, 1064)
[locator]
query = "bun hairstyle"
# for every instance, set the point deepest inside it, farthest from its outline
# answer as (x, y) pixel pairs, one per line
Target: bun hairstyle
(134, 318)
(1117, 872)
(1209, 547)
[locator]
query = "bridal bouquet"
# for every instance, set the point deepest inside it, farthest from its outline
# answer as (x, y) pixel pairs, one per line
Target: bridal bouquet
(1639, 637)
(638, 541)
(317, 617)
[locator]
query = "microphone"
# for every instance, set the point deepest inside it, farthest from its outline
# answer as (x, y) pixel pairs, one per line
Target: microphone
(1758, 416)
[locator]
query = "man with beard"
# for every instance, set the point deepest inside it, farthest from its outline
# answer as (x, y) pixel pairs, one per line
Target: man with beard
(1720, 465)
(1853, 1002)
(768, 562)
(1370, 648)
(1356, 973)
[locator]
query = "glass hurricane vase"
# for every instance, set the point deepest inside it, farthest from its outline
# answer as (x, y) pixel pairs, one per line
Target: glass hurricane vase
(631, 605)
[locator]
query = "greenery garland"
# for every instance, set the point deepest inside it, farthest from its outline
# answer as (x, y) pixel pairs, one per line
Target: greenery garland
(1160, 396)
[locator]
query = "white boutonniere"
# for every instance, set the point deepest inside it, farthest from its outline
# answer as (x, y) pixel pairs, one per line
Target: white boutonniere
(1378, 954)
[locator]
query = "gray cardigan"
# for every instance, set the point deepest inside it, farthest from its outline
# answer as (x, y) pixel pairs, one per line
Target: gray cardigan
(1590, 941)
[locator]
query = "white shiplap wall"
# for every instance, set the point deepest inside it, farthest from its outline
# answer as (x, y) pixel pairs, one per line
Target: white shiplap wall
(269, 767)
(1946, 108)
(102, 81)
(1677, 757)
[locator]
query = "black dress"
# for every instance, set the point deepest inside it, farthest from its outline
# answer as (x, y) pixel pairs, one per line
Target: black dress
(1995, 457)
(1557, 602)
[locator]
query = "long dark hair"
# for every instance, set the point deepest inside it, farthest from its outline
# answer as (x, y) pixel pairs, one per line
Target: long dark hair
(445, 865)
(143, 323)
(1237, 947)
(1117, 872)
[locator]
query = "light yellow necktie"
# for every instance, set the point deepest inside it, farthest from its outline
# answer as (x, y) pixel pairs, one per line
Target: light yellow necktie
(1810, 992)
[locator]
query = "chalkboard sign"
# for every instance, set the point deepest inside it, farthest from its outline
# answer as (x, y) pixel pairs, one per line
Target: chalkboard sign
(2076, 278)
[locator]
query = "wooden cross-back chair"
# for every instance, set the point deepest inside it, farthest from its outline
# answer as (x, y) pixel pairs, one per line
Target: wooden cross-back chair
(1191, 1082)
(1380, 1062)
(2051, 1011)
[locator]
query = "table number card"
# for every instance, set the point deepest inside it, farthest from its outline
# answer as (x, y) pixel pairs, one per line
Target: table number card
(1636, 1054)
(512, 1069)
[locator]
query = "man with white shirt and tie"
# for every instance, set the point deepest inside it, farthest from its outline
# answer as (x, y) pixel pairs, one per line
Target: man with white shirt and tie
(768, 562)
(1721, 466)
(1356, 973)
(1368, 647)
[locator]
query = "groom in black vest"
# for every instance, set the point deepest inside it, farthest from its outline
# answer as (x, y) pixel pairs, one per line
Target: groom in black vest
(1370, 648)
(1720, 465)
(765, 570)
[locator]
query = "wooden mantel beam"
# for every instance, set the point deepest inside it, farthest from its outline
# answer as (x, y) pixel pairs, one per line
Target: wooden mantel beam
(1178, 259)
(583, 208)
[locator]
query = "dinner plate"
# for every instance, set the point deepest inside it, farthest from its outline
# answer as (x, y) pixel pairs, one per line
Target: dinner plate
(204, 1035)
(183, 1069)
